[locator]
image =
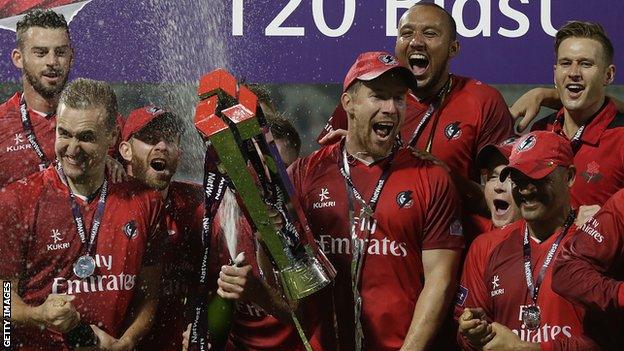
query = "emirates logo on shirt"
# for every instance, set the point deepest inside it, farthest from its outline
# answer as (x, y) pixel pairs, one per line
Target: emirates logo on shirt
(130, 229)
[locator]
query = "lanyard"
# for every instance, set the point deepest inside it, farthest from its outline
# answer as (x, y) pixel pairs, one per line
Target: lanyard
(534, 288)
(430, 111)
(78, 219)
(30, 134)
(214, 188)
(359, 245)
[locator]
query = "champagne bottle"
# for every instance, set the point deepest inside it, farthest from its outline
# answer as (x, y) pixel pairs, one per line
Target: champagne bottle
(220, 313)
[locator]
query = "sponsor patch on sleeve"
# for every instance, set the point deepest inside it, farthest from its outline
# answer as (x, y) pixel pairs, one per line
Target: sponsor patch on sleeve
(456, 228)
(462, 294)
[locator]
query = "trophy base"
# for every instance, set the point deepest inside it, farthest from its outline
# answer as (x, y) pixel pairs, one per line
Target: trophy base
(305, 277)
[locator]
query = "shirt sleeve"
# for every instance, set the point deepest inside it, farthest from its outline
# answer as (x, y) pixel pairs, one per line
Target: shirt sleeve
(15, 227)
(443, 228)
(338, 120)
(580, 270)
(472, 291)
(497, 121)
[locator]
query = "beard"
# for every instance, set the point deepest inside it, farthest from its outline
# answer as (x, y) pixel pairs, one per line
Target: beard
(47, 92)
(140, 172)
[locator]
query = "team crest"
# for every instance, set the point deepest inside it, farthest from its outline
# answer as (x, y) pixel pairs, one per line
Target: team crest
(388, 60)
(456, 228)
(404, 199)
(526, 143)
(453, 131)
(154, 110)
(592, 173)
(130, 229)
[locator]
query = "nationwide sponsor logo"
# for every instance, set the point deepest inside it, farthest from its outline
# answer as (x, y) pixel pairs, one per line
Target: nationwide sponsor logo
(526, 143)
(383, 246)
(462, 295)
(592, 173)
(130, 229)
(590, 228)
(404, 199)
(324, 200)
(456, 228)
(496, 289)
(57, 243)
(20, 144)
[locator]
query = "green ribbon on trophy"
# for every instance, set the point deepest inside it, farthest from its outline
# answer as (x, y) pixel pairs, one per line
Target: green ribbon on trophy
(247, 156)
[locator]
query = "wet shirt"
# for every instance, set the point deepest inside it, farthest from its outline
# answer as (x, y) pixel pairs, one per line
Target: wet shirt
(590, 270)
(417, 210)
(41, 244)
(599, 155)
(473, 115)
(17, 157)
(493, 278)
(184, 211)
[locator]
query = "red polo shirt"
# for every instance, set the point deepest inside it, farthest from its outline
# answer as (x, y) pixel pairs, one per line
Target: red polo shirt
(599, 158)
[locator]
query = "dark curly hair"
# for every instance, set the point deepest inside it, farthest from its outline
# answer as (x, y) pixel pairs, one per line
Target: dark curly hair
(39, 18)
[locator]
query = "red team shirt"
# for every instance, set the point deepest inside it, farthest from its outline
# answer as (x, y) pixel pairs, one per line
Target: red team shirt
(184, 211)
(417, 211)
(590, 270)
(493, 279)
(599, 158)
(474, 115)
(17, 158)
(252, 327)
(41, 243)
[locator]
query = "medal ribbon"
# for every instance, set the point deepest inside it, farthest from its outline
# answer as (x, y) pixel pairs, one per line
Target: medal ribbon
(214, 187)
(30, 134)
(359, 245)
(438, 102)
(534, 288)
(78, 219)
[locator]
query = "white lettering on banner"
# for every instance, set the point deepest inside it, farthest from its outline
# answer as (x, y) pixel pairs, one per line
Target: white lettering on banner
(385, 246)
(482, 28)
(519, 17)
(347, 19)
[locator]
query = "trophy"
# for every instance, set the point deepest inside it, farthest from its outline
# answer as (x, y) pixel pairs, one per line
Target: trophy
(242, 154)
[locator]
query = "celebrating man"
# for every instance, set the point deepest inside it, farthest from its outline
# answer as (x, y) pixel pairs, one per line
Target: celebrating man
(505, 291)
(27, 121)
(77, 248)
(388, 221)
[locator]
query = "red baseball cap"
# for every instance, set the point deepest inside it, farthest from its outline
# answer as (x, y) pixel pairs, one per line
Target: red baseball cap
(138, 119)
(370, 65)
(490, 151)
(538, 153)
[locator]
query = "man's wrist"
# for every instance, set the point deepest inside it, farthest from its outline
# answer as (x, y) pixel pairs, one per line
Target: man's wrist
(128, 342)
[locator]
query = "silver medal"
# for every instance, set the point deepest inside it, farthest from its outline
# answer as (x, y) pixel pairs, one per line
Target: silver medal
(531, 317)
(84, 266)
